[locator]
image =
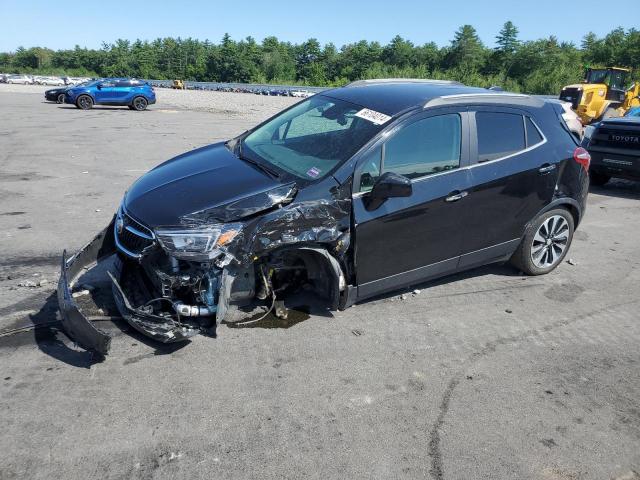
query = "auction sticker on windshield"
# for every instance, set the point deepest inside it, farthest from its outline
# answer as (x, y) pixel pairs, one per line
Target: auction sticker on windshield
(374, 117)
(313, 172)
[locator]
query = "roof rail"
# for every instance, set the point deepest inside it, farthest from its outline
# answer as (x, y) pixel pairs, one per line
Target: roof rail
(375, 81)
(489, 97)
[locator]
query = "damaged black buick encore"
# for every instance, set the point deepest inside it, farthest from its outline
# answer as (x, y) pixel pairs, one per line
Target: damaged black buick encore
(350, 193)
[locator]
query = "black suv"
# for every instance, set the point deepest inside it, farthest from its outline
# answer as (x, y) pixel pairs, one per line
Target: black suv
(348, 194)
(614, 145)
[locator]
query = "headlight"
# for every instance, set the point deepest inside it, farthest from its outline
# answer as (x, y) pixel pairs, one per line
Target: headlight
(588, 132)
(198, 244)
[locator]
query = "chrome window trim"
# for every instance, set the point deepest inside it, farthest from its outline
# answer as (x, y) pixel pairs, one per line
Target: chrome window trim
(519, 152)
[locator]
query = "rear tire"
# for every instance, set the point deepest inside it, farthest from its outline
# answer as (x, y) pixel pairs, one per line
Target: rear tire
(598, 179)
(139, 104)
(84, 102)
(545, 243)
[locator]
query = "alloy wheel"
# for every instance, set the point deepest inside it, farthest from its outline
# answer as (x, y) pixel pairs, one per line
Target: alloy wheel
(85, 102)
(550, 242)
(140, 103)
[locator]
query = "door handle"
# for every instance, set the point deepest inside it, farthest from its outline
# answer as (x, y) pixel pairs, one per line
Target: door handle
(546, 168)
(455, 196)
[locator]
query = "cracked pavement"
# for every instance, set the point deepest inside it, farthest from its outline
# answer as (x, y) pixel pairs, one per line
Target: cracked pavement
(486, 374)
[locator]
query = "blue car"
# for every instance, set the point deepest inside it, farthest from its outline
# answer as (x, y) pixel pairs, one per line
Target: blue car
(135, 94)
(633, 112)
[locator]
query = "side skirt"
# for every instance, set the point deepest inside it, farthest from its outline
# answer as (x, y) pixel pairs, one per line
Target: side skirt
(496, 253)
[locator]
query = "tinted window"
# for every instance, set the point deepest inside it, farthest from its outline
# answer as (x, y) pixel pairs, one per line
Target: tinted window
(499, 135)
(123, 83)
(533, 135)
(425, 147)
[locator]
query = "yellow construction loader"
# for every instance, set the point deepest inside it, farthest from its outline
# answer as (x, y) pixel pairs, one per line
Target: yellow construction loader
(178, 85)
(602, 94)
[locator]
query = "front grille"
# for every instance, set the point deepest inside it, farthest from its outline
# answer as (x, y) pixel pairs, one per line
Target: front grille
(609, 135)
(132, 237)
(572, 95)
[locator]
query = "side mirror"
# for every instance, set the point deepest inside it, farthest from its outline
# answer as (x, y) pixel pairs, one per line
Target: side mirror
(99, 86)
(389, 185)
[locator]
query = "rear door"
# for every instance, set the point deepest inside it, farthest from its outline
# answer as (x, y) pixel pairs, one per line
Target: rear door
(512, 176)
(122, 91)
(410, 239)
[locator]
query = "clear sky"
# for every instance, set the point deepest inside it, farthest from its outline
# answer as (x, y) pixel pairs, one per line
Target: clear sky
(88, 23)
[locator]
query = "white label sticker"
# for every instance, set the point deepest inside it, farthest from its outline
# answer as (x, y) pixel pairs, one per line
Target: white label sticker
(374, 117)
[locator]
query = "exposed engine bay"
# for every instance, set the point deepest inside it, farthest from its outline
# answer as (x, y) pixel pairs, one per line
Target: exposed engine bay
(171, 284)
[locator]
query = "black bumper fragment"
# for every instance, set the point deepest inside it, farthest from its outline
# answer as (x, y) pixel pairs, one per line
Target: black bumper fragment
(79, 328)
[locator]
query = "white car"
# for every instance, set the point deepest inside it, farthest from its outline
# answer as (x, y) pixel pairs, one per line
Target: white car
(300, 93)
(55, 81)
(22, 79)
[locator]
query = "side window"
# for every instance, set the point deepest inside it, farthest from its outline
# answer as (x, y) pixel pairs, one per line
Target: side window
(425, 147)
(499, 135)
(533, 135)
(107, 84)
(123, 83)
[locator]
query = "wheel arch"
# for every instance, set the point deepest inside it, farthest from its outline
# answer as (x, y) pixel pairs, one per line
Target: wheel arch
(563, 202)
(320, 265)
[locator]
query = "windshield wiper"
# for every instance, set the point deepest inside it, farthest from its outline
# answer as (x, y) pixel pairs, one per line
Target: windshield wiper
(269, 171)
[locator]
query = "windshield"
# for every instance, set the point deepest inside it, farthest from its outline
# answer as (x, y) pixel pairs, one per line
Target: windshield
(613, 78)
(310, 139)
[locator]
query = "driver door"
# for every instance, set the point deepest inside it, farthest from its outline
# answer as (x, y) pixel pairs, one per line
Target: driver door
(105, 92)
(411, 239)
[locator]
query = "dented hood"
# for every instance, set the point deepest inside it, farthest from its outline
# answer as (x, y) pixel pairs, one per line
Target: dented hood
(195, 181)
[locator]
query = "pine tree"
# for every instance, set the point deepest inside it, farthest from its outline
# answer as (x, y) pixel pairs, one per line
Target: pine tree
(507, 39)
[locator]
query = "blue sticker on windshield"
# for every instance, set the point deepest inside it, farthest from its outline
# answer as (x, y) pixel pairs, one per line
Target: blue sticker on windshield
(313, 172)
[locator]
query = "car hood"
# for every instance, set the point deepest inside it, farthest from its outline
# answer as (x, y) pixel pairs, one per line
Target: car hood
(193, 183)
(631, 120)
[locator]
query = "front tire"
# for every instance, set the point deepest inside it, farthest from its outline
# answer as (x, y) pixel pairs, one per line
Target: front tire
(139, 104)
(545, 243)
(598, 179)
(84, 102)
(60, 98)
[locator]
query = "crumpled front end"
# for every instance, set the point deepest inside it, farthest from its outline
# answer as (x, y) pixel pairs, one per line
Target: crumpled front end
(170, 284)
(143, 318)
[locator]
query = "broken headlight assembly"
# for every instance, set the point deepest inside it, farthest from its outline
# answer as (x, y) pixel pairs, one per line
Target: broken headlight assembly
(199, 245)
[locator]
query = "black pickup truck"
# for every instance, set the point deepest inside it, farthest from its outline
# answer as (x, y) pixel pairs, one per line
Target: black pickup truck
(614, 145)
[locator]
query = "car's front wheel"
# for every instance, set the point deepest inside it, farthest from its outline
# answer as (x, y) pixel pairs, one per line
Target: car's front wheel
(545, 243)
(598, 179)
(84, 102)
(60, 98)
(139, 104)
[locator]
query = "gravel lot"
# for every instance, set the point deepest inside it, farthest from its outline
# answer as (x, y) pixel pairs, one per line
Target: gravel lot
(483, 375)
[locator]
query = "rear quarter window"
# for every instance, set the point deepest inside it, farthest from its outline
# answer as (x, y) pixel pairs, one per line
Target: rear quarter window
(533, 135)
(499, 135)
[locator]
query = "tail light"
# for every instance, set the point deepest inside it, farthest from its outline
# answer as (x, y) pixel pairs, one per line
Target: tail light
(581, 156)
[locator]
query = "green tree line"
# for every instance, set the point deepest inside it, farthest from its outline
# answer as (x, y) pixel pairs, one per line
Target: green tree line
(539, 66)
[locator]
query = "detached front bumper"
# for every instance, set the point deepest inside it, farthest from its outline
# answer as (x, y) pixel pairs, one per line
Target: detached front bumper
(73, 320)
(80, 328)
